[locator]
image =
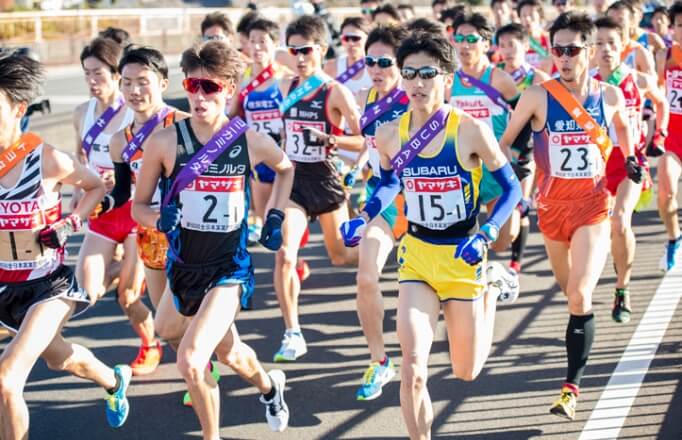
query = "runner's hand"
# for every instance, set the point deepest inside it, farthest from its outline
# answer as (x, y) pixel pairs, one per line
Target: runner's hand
(55, 235)
(271, 234)
(633, 169)
(169, 218)
(352, 231)
(473, 249)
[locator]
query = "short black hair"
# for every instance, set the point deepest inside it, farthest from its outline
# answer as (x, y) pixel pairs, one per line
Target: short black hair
(674, 11)
(453, 13)
(621, 5)
(21, 77)
(267, 26)
(494, 2)
(388, 35)
(439, 2)
(533, 3)
(217, 19)
(145, 56)
(309, 27)
(478, 21)
(513, 29)
(388, 9)
(608, 23)
(121, 36)
(426, 25)
(247, 20)
(105, 50)
(356, 22)
(435, 46)
(659, 10)
(574, 21)
(216, 57)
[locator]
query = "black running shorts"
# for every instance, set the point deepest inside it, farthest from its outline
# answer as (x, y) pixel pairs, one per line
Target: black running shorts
(318, 196)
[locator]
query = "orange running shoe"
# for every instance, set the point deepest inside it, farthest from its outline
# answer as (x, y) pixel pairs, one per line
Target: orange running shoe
(148, 358)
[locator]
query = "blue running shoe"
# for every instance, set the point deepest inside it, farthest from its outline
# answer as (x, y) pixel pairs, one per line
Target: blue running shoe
(376, 376)
(670, 257)
(117, 403)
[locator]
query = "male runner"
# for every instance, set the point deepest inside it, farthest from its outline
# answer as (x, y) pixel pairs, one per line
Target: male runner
(635, 86)
(669, 167)
(38, 293)
(634, 54)
(503, 13)
(204, 164)
(531, 16)
(353, 38)
(381, 234)
(661, 25)
(443, 256)
(573, 202)
(314, 109)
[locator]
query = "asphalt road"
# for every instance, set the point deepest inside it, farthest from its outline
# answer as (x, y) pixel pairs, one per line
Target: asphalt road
(509, 400)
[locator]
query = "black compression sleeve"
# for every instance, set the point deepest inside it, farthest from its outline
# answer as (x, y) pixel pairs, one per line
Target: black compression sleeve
(122, 183)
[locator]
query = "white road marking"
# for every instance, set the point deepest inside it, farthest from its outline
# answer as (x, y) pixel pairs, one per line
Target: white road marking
(613, 406)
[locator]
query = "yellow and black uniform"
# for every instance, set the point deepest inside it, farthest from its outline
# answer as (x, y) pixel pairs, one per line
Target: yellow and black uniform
(442, 200)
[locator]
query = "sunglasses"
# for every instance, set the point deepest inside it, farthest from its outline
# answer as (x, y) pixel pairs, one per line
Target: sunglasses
(471, 38)
(208, 86)
(350, 38)
(217, 37)
(570, 51)
(426, 72)
(305, 50)
(367, 11)
(382, 62)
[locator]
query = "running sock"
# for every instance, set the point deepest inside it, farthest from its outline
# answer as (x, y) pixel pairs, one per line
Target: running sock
(116, 387)
(573, 387)
(293, 331)
(519, 245)
(672, 242)
(579, 338)
(271, 394)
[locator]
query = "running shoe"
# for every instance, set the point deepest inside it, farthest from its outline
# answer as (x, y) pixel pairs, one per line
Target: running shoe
(254, 233)
(187, 399)
(117, 403)
(670, 256)
(621, 306)
(507, 281)
(293, 347)
(148, 358)
(376, 376)
(565, 405)
(276, 409)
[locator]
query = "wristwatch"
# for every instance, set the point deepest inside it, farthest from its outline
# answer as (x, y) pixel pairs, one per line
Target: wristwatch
(331, 140)
(490, 232)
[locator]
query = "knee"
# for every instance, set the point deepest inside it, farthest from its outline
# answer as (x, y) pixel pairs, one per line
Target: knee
(166, 330)
(466, 373)
(578, 303)
(619, 226)
(190, 368)
(9, 385)
(286, 258)
(61, 364)
(413, 376)
(338, 259)
(368, 283)
(231, 357)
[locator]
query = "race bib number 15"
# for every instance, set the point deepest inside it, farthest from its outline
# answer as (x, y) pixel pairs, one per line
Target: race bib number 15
(435, 203)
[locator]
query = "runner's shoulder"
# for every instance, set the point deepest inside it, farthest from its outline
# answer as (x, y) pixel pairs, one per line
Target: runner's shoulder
(79, 112)
(387, 132)
(163, 140)
(540, 76)
(613, 95)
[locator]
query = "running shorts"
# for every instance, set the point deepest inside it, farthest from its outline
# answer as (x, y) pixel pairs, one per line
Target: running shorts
(436, 266)
(17, 298)
(489, 189)
(115, 225)
(394, 215)
(263, 173)
(318, 197)
(152, 247)
(558, 220)
(674, 145)
(190, 283)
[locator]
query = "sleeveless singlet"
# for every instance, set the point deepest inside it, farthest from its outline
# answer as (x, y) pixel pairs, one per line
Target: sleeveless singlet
(214, 206)
(673, 91)
(25, 209)
(397, 109)
(354, 85)
(441, 195)
(261, 111)
(569, 166)
(99, 159)
(634, 105)
(532, 57)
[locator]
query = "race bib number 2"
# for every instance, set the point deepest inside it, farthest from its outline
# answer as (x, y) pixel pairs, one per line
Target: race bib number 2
(435, 203)
(674, 88)
(213, 204)
(296, 146)
(572, 156)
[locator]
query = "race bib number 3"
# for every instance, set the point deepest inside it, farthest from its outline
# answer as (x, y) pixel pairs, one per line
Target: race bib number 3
(435, 203)
(572, 156)
(296, 147)
(213, 204)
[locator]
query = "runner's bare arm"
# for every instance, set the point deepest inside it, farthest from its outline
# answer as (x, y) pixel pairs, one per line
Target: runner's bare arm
(661, 61)
(527, 109)
(79, 153)
(645, 61)
(481, 141)
(159, 158)
(343, 101)
(503, 82)
(263, 149)
(649, 84)
(613, 98)
(388, 143)
(61, 168)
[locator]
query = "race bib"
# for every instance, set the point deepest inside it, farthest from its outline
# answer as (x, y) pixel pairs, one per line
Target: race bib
(534, 59)
(674, 94)
(266, 121)
(435, 203)
(573, 156)
(477, 107)
(296, 146)
(213, 204)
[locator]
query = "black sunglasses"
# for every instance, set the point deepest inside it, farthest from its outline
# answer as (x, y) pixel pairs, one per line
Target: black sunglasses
(382, 62)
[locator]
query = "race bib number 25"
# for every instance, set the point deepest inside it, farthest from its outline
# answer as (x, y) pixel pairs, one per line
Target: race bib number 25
(213, 204)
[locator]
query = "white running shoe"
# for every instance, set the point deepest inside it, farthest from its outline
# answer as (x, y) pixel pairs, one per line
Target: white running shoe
(507, 281)
(293, 347)
(276, 409)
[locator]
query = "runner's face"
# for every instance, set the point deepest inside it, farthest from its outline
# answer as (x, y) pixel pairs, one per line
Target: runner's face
(571, 67)
(470, 53)
(512, 49)
(142, 87)
(677, 28)
(386, 79)
(354, 49)
(622, 17)
(502, 13)
(530, 18)
(208, 107)
(215, 32)
(609, 46)
(425, 93)
(10, 115)
(661, 24)
(262, 47)
(306, 65)
(99, 79)
(244, 44)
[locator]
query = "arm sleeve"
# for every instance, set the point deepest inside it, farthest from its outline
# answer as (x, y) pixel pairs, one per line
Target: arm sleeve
(122, 183)
(511, 195)
(383, 195)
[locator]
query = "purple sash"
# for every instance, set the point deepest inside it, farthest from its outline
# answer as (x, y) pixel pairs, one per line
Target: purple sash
(380, 107)
(200, 162)
(141, 136)
(521, 72)
(351, 71)
(421, 139)
(490, 91)
(100, 124)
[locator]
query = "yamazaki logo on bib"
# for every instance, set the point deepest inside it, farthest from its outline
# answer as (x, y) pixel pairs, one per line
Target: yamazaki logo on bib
(217, 184)
(444, 184)
(25, 215)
